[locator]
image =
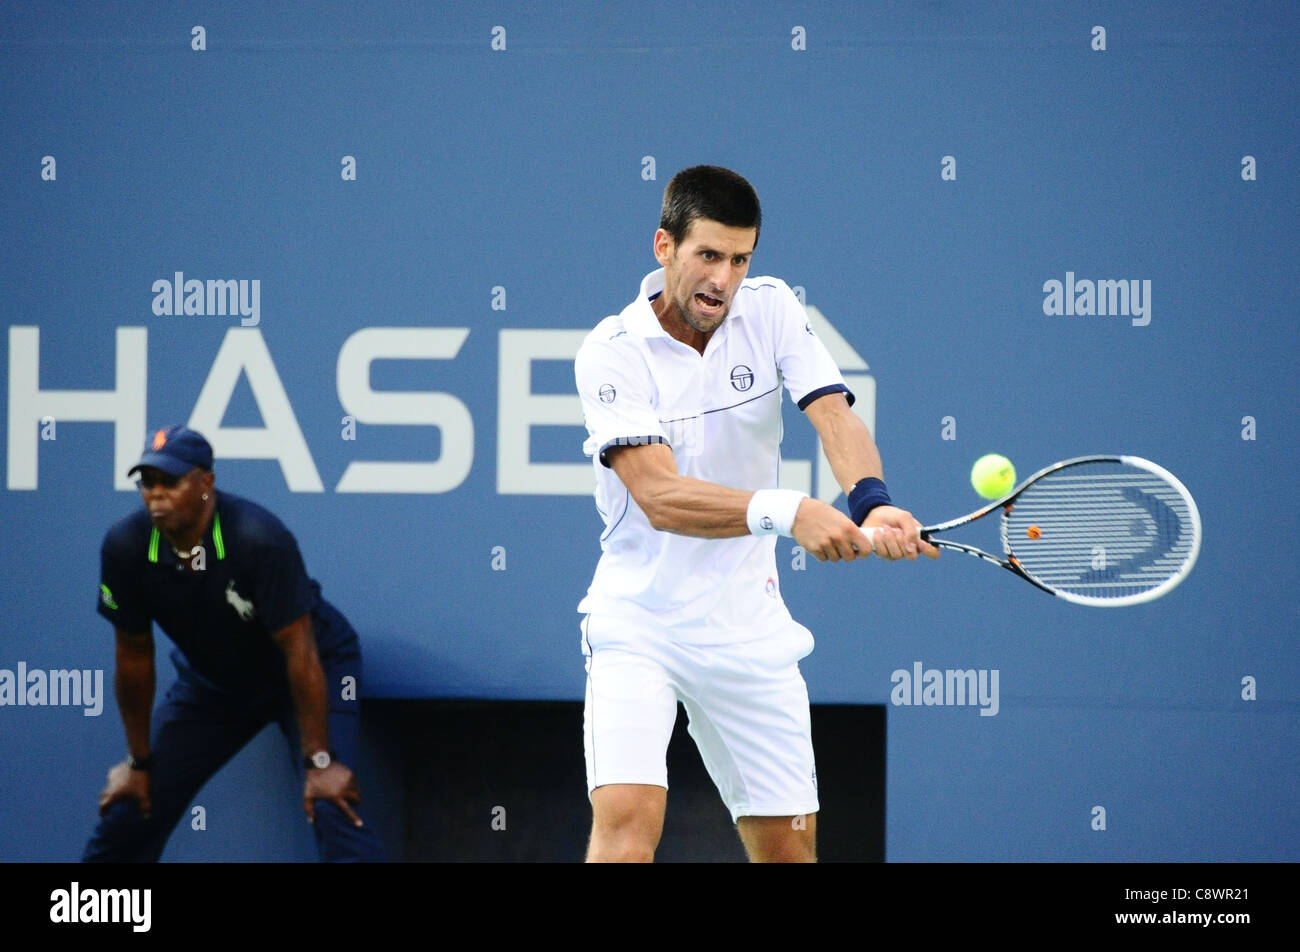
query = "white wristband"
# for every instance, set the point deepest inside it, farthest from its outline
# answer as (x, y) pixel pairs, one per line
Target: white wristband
(772, 511)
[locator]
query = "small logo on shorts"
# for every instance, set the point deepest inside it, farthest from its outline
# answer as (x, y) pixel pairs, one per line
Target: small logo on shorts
(607, 394)
(742, 378)
(770, 588)
(767, 523)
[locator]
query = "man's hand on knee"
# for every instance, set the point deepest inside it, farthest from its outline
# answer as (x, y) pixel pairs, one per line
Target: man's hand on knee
(126, 784)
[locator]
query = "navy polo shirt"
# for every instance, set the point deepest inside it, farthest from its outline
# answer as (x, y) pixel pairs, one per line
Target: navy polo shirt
(221, 618)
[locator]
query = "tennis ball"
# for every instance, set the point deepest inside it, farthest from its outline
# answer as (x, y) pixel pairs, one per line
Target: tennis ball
(993, 476)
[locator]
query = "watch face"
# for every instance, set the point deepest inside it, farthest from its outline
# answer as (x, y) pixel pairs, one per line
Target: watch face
(320, 759)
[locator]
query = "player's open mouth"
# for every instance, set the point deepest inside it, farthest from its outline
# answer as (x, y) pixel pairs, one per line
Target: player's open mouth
(708, 302)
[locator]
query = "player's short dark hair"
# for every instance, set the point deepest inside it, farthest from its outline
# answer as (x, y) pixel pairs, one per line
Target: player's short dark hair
(712, 192)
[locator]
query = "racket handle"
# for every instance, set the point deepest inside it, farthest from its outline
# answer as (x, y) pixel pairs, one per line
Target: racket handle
(870, 533)
(871, 540)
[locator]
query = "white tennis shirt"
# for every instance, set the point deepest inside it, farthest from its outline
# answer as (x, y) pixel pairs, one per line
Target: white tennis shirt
(720, 413)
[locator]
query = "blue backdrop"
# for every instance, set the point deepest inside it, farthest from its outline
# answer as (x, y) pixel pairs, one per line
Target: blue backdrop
(484, 179)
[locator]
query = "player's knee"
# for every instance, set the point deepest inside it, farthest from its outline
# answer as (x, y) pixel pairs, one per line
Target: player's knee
(788, 849)
(779, 839)
(627, 842)
(619, 849)
(791, 850)
(627, 821)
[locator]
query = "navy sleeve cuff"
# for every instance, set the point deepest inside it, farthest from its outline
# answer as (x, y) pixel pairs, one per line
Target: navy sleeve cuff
(823, 391)
(627, 441)
(127, 622)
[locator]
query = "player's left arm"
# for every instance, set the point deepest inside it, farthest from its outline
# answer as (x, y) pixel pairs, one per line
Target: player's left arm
(853, 456)
(335, 783)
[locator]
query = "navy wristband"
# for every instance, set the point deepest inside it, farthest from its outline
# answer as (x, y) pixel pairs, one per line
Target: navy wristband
(866, 495)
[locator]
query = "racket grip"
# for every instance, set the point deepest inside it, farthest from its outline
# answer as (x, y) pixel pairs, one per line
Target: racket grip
(870, 533)
(871, 540)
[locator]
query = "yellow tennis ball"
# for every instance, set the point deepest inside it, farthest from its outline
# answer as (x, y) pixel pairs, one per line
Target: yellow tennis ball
(993, 476)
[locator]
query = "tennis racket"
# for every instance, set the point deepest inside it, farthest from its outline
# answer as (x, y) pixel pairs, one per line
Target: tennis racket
(1095, 530)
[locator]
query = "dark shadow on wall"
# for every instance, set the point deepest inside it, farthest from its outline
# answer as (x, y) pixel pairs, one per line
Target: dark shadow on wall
(504, 781)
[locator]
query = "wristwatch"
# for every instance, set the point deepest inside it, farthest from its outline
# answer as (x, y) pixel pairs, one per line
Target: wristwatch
(138, 763)
(319, 760)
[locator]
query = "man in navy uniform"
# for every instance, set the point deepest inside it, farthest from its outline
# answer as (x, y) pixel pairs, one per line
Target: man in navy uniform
(254, 643)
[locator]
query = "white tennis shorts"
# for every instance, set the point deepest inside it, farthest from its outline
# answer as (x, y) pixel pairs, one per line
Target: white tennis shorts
(747, 704)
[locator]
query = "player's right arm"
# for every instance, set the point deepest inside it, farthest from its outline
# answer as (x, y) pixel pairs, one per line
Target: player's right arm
(676, 503)
(134, 680)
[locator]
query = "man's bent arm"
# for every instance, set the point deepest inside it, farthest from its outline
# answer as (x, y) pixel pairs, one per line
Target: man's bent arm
(335, 783)
(676, 503)
(134, 680)
(306, 683)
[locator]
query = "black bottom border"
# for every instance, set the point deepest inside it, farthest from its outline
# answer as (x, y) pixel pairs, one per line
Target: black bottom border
(927, 900)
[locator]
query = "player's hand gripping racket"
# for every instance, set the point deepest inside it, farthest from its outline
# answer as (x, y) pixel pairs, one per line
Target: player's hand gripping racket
(1096, 530)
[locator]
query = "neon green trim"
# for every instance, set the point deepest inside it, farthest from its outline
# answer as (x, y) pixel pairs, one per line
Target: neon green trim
(106, 594)
(216, 536)
(153, 544)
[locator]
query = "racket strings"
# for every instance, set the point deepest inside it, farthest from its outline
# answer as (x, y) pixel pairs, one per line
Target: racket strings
(1104, 530)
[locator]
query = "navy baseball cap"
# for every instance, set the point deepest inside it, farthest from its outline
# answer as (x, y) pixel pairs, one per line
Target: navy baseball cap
(175, 450)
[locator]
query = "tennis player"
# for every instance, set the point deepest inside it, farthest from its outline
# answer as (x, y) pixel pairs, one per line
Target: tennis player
(254, 644)
(682, 393)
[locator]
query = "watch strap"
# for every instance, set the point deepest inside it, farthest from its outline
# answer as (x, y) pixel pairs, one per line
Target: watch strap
(310, 763)
(138, 763)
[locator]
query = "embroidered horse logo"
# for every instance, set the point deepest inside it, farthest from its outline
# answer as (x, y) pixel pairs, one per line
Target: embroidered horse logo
(242, 605)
